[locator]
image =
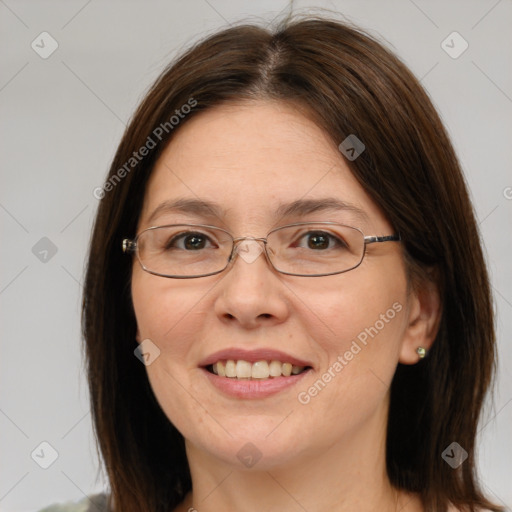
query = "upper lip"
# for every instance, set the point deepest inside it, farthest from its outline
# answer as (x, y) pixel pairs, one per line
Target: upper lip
(251, 356)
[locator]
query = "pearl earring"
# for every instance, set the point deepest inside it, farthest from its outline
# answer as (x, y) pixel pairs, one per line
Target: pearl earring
(421, 351)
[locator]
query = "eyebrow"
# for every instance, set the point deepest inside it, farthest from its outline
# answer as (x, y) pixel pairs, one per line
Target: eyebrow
(199, 207)
(298, 208)
(303, 207)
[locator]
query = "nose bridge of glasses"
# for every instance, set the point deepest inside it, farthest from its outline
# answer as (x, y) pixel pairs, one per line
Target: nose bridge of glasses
(248, 247)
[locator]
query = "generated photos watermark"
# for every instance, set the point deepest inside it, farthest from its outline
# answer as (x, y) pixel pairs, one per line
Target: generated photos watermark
(44, 45)
(352, 147)
(249, 455)
(454, 45)
(151, 142)
(454, 455)
(304, 397)
(44, 455)
(147, 352)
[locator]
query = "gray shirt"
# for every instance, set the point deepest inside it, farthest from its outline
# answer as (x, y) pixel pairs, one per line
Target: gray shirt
(93, 503)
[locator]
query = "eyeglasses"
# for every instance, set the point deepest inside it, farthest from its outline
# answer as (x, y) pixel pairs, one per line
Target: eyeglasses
(307, 249)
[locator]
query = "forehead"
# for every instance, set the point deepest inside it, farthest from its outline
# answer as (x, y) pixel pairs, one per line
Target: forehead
(250, 161)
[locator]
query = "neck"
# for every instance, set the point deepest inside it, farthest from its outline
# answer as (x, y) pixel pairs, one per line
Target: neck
(349, 475)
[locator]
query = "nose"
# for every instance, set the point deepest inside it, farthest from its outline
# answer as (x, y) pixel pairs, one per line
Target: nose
(251, 292)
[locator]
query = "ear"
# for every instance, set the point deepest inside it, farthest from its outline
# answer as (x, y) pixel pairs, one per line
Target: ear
(137, 335)
(424, 315)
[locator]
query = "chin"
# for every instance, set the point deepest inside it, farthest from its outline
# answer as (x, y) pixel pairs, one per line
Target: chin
(251, 453)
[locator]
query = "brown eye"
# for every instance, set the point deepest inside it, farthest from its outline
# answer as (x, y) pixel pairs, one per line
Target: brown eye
(194, 242)
(321, 240)
(318, 241)
(188, 241)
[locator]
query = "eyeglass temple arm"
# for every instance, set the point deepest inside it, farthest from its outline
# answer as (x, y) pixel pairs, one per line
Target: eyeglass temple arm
(388, 238)
(129, 246)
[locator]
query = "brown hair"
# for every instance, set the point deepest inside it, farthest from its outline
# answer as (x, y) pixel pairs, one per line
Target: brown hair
(350, 84)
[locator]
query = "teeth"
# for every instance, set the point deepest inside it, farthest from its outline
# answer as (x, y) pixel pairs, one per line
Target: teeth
(243, 369)
(297, 369)
(275, 368)
(259, 370)
(230, 368)
(219, 369)
(287, 369)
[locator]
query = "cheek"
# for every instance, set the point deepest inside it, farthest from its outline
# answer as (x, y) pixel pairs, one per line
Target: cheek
(169, 314)
(358, 327)
(343, 312)
(166, 313)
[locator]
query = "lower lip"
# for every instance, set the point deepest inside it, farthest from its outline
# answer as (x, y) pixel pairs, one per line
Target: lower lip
(253, 388)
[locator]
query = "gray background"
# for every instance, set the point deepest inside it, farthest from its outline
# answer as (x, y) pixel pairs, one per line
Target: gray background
(62, 118)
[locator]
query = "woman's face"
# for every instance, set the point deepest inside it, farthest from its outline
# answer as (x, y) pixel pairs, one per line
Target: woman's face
(350, 329)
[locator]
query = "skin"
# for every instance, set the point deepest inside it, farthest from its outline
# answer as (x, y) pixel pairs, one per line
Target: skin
(328, 454)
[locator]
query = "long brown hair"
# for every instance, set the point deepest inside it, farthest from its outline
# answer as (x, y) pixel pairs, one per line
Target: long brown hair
(350, 84)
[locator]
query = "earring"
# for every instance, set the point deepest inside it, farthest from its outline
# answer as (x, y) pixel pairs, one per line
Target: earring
(422, 352)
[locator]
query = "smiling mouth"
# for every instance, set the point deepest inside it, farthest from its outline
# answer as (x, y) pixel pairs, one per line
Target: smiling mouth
(259, 370)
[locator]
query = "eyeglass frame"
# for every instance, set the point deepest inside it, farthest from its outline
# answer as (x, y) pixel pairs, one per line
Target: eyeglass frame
(129, 246)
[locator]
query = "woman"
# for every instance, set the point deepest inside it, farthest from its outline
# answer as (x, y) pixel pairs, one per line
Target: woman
(286, 304)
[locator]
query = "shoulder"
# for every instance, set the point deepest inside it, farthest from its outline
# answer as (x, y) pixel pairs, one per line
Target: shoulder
(93, 503)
